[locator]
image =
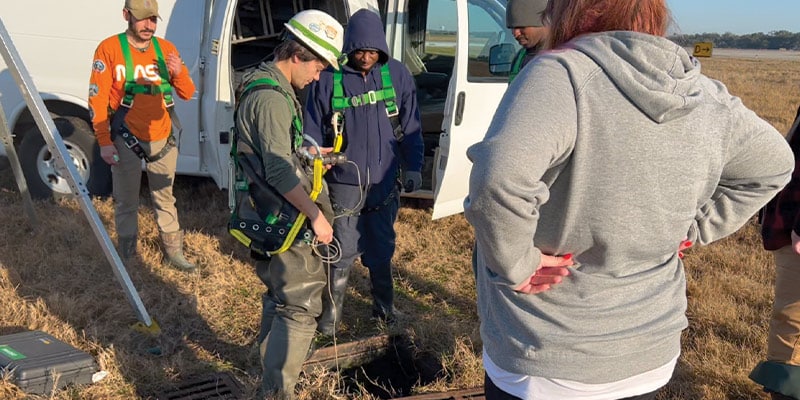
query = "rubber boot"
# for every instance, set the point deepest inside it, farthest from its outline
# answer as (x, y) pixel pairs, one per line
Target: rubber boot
(173, 249)
(382, 293)
(332, 301)
(127, 247)
(283, 352)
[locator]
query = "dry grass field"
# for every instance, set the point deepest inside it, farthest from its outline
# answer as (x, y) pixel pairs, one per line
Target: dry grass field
(54, 277)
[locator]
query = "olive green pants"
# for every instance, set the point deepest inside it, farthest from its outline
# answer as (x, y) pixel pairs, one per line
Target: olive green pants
(127, 180)
(293, 300)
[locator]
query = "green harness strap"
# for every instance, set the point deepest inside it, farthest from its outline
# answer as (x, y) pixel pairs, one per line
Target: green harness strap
(517, 65)
(386, 94)
(297, 123)
(133, 88)
(271, 234)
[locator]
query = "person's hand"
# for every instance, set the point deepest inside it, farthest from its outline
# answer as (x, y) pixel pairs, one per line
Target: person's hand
(551, 271)
(795, 243)
(412, 181)
(174, 64)
(313, 151)
(322, 228)
(109, 154)
(684, 244)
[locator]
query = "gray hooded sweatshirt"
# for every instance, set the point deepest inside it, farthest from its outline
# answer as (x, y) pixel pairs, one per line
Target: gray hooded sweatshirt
(613, 149)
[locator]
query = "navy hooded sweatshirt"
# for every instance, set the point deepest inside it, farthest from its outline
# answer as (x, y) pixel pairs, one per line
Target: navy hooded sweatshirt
(369, 139)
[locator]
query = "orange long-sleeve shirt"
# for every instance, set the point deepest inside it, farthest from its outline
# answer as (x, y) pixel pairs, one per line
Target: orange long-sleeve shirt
(148, 119)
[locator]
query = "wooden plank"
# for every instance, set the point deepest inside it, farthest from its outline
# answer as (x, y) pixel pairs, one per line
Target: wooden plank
(350, 354)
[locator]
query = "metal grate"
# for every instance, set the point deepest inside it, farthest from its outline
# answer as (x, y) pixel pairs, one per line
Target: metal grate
(220, 386)
(469, 394)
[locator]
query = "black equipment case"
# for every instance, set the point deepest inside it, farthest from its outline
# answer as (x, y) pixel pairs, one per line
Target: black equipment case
(38, 363)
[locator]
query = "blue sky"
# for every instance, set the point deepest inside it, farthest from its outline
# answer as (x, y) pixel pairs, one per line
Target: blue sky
(695, 16)
(735, 16)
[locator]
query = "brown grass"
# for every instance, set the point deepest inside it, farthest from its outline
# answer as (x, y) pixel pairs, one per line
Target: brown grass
(56, 278)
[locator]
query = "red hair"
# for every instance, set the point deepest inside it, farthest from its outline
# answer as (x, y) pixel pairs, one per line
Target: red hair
(570, 18)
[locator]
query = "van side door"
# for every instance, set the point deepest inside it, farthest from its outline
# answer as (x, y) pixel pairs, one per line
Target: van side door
(183, 25)
(473, 93)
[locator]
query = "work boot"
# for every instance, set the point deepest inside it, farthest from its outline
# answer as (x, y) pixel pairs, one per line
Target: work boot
(382, 293)
(127, 247)
(173, 249)
(332, 301)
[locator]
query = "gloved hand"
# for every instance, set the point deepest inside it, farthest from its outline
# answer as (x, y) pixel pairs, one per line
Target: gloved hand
(412, 181)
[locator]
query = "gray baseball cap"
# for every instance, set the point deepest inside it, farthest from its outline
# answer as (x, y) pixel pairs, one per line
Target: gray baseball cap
(521, 13)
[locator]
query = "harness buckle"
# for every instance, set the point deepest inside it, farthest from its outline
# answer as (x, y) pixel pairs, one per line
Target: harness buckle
(132, 143)
(372, 97)
(355, 101)
(130, 140)
(394, 113)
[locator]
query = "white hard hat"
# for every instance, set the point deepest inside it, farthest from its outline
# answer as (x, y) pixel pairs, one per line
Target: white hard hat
(319, 32)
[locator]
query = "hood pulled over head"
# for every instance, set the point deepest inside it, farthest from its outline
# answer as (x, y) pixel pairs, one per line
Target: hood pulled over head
(365, 31)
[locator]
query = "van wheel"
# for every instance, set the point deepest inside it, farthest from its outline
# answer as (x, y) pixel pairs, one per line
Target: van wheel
(40, 168)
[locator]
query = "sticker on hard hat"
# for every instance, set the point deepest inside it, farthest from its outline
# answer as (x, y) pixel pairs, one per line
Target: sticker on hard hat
(331, 32)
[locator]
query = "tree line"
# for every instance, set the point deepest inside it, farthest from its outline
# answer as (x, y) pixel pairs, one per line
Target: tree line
(774, 40)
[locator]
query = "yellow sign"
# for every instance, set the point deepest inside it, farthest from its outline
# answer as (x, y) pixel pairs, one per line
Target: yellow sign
(702, 49)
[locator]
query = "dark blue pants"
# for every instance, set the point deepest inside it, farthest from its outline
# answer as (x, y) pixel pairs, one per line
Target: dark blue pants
(364, 222)
(364, 227)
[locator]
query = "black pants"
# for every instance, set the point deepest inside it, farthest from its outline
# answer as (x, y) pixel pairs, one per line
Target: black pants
(492, 392)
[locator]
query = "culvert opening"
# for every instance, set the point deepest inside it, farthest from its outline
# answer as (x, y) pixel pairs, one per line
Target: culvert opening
(392, 373)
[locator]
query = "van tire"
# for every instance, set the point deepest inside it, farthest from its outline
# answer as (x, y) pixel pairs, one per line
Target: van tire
(39, 165)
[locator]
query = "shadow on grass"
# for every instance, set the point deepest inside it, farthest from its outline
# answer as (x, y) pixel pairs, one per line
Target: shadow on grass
(57, 279)
(60, 281)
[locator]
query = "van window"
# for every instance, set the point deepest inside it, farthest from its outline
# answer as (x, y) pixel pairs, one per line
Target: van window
(487, 28)
(429, 53)
(431, 38)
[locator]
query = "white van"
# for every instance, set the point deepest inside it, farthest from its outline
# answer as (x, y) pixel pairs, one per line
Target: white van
(443, 42)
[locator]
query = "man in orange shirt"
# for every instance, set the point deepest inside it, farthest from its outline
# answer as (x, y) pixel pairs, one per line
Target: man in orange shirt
(131, 106)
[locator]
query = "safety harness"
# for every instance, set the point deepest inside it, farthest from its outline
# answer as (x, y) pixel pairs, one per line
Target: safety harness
(131, 89)
(261, 218)
(386, 94)
(516, 66)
